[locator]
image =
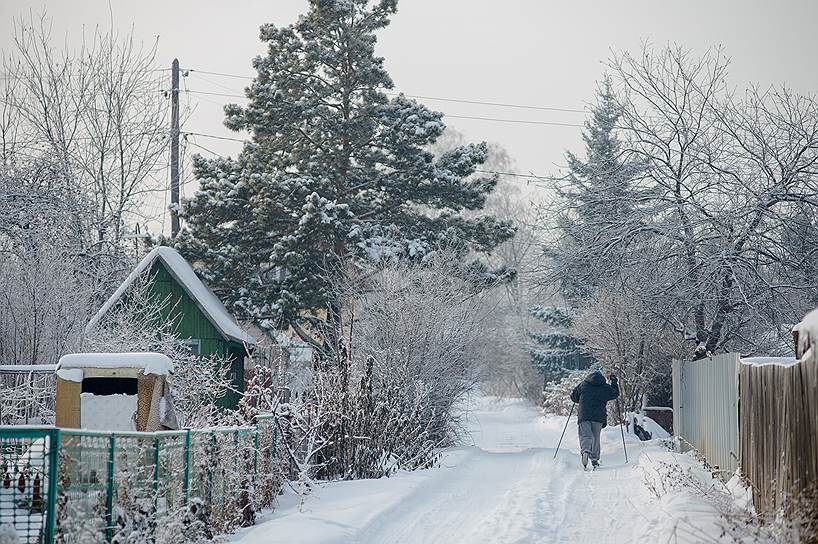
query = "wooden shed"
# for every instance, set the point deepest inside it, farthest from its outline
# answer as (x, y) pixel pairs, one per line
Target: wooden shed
(198, 316)
(114, 392)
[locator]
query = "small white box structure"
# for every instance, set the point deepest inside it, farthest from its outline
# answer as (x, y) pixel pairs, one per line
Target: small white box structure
(115, 392)
(108, 412)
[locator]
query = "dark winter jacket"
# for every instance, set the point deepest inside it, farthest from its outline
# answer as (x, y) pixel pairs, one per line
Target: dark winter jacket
(592, 394)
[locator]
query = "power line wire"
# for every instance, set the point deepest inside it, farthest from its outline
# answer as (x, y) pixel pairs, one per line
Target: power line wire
(471, 117)
(205, 149)
(193, 91)
(482, 103)
(455, 100)
(422, 97)
(216, 73)
(514, 174)
(200, 134)
(7, 76)
(214, 136)
(518, 121)
(213, 82)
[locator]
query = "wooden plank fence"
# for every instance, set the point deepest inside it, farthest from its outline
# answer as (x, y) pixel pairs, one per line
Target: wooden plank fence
(778, 429)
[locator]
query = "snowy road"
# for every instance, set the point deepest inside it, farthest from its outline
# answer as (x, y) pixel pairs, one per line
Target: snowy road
(509, 489)
(506, 488)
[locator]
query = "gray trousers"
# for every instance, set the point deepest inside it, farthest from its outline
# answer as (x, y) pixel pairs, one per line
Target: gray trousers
(589, 432)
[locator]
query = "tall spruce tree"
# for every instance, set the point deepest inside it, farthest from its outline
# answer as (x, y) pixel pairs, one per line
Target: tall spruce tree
(598, 198)
(555, 350)
(336, 173)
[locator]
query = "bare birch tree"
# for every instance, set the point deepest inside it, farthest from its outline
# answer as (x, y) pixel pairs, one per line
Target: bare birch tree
(101, 109)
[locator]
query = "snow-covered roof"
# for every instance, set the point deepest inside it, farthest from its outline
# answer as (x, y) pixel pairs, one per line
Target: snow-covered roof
(149, 362)
(299, 351)
(183, 273)
(71, 366)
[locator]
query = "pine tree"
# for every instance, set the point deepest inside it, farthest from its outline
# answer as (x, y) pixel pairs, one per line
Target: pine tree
(598, 198)
(556, 351)
(336, 172)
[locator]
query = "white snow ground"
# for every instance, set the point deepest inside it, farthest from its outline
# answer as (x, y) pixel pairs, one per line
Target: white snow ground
(505, 488)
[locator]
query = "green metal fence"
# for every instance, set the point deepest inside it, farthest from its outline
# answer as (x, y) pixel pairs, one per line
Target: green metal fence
(121, 487)
(27, 464)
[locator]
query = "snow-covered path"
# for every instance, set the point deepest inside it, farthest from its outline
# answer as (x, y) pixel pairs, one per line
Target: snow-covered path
(505, 488)
(509, 489)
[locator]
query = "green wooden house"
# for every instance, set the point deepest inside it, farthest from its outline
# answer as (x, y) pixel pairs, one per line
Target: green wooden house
(198, 315)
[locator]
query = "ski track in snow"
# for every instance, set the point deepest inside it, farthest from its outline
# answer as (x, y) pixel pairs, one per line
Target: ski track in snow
(510, 490)
(506, 488)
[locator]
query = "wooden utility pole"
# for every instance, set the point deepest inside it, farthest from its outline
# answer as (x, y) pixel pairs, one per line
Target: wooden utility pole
(174, 149)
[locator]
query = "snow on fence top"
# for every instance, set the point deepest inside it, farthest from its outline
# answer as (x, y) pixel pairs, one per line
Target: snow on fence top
(71, 366)
(761, 361)
(806, 333)
(27, 368)
(183, 273)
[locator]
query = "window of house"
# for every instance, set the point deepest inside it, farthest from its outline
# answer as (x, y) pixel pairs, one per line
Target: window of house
(193, 345)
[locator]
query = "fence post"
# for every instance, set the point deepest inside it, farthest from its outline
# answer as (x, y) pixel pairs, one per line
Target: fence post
(238, 463)
(109, 492)
(274, 445)
(237, 458)
(186, 481)
(255, 462)
(55, 443)
(155, 474)
(210, 467)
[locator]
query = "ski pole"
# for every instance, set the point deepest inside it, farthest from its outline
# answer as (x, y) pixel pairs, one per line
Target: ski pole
(564, 428)
(622, 427)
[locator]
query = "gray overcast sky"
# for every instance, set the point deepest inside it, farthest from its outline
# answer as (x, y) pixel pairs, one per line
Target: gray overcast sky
(533, 52)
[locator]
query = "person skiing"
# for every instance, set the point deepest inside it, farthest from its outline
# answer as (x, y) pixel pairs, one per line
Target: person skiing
(592, 395)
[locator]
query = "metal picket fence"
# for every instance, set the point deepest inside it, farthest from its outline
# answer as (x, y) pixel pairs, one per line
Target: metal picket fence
(128, 486)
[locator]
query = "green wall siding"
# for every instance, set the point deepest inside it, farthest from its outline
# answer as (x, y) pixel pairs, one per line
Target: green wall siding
(191, 322)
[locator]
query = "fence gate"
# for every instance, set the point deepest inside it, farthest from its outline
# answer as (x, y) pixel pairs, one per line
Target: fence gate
(28, 466)
(705, 408)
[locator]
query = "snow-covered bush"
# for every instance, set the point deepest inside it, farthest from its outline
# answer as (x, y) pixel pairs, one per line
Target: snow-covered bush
(27, 397)
(557, 395)
(190, 525)
(415, 333)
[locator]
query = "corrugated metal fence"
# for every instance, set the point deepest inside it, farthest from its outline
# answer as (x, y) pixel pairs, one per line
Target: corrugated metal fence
(705, 408)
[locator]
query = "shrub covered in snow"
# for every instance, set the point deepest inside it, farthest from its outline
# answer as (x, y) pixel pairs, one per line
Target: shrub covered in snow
(557, 394)
(387, 402)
